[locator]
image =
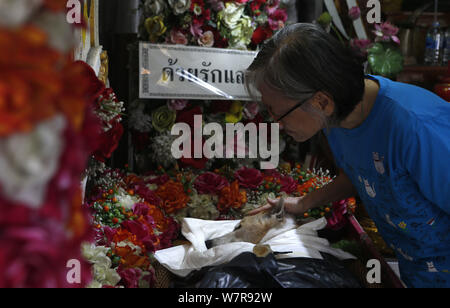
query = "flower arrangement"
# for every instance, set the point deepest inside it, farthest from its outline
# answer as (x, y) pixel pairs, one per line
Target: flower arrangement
(134, 216)
(237, 24)
(380, 49)
(47, 132)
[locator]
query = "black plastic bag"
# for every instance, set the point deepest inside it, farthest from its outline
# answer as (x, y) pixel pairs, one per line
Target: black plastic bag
(249, 271)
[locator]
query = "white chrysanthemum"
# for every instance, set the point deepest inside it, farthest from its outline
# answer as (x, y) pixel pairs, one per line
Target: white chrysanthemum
(202, 206)
(138, 120)
(161, 149)
(126, 200)
(103, 274)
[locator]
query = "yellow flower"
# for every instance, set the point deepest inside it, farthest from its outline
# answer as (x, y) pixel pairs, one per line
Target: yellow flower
(402, 225)
(234, 115)
(155, 27)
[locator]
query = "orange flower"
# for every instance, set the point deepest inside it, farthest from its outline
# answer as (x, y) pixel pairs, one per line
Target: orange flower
(231, 196)
(160, 219)
(37, 82)
(130, 260)
(173, 196)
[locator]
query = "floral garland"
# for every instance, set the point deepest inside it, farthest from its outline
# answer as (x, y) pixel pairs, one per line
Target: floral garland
(237, 24)
(134, 216)
(47, 131)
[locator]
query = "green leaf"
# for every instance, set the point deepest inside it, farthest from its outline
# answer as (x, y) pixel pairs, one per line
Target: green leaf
(385, 59)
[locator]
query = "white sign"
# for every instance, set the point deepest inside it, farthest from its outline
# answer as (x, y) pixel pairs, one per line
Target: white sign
(186, 72)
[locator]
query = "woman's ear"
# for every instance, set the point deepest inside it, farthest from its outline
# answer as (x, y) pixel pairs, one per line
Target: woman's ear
(324, 103)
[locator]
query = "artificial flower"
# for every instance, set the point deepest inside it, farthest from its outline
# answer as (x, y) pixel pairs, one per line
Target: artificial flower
(138, 119)
(210, 183)
(277, 19)
(154, 7)
(163, 118)
(385, 32)
(177, 104)
(234, 114)
(249, 177)
(231, 197)
(354, 12)
(203, 207)
(177, 37)
(180, 6)
(155, 27)
(206, 39)
(173, 196)
(231, 14)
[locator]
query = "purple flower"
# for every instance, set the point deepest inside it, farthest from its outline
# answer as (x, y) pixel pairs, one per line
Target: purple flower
(177, 104)
(216, 5)
(354, 13)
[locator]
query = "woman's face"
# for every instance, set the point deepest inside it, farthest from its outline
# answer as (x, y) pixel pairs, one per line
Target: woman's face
(298, 124)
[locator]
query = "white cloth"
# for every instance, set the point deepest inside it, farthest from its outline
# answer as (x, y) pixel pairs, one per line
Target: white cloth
(303, 241)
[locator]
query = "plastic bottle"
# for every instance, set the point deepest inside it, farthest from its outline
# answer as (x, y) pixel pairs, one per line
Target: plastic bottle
(434, 45)
(446, 51)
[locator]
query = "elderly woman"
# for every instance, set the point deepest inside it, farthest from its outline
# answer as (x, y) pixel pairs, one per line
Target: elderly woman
(391, 142)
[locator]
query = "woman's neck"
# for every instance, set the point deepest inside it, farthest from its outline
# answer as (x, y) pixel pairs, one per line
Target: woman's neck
(363, 109)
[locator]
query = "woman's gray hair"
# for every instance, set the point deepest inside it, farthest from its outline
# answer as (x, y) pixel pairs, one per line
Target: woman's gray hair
(301, 60)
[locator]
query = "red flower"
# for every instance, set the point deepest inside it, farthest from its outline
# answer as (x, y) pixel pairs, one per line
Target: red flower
(210, 182)
(261, 34)
(109, 141)
(249, 177)
(288, 184)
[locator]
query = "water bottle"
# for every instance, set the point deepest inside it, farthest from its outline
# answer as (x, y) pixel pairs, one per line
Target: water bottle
(434, 45)
(446, 52)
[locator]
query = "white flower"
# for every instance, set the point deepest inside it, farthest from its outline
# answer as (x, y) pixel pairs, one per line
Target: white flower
(126, 200)
(231, 14)
(103, 274)
(161, 149)
(138, 119)
(29, 161)
(13, 13)
(206, 39)
(179, 6)
(203, 207)
(154, 7)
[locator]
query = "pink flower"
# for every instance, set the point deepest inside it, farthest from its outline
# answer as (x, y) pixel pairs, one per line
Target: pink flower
(210, 182)
(277, 19)
(385, 32)
(177, 37)
(272, 6)
(177, 104)
(361, 45)
(354, 13)
(206, 39)
(249, 177)
(196, 28)
(337, 220)
(130, 277)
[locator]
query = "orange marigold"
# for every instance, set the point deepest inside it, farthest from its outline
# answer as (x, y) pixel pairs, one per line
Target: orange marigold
(231, 196)
(173, 196)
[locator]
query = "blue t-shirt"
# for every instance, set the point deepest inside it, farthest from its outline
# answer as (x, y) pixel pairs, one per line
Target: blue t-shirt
(399, 161)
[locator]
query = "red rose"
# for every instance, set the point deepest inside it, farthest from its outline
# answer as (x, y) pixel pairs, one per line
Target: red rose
(109, 141)
(187, 115)
(249, 177)
(288, 184)
(210, 182)
(261, 34)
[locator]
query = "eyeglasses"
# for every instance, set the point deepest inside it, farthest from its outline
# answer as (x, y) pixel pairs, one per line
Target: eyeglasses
(290, 110)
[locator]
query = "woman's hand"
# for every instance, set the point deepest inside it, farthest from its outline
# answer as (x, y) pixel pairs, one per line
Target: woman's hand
(292, 205)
